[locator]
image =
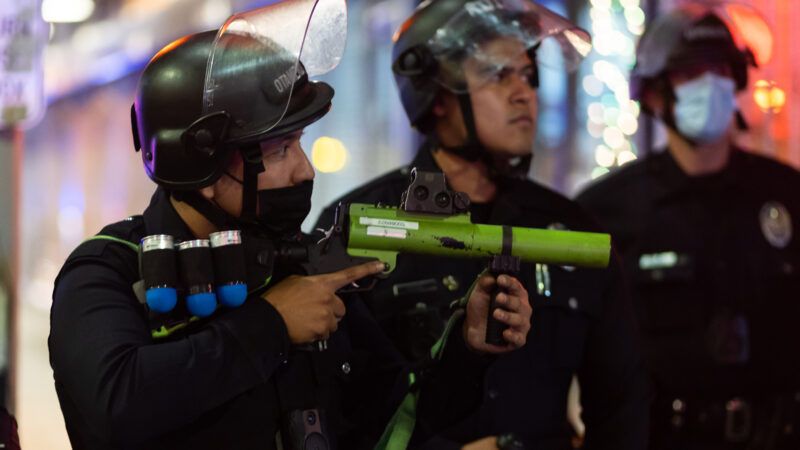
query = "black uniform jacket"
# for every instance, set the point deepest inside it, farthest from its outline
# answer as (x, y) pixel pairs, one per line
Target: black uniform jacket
(715, 264)
(227, 383)
(581, 324)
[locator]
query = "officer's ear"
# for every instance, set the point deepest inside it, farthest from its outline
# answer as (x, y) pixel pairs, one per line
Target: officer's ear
(231, 176)
(208, 192)
(446, 107)
(439, 108)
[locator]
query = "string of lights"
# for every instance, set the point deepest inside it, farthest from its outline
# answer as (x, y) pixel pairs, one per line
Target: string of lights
(611, 118)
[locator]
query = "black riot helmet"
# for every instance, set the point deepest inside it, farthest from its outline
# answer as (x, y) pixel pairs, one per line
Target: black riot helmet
(695, 32)
(207, 95)
(430, 46)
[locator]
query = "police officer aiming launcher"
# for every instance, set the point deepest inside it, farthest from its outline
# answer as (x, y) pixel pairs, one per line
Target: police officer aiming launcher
(149, 351)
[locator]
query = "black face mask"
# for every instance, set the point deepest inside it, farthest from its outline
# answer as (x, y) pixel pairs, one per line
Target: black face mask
(281, 211)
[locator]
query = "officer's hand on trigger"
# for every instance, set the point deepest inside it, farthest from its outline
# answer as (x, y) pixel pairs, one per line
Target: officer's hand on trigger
(515, 311)
(309, 305)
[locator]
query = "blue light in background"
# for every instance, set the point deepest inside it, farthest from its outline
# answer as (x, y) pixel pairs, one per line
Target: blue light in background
(552, 95)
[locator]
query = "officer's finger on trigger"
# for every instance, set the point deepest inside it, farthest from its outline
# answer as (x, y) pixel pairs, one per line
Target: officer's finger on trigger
(346, 276)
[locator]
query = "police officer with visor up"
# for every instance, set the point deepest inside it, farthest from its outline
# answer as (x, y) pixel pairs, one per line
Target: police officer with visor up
(467, 71)
(707, 232)
(218, 118)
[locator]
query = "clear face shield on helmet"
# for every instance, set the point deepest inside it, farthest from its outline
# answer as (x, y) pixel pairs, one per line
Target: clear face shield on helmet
(464, 37)
(272, 48)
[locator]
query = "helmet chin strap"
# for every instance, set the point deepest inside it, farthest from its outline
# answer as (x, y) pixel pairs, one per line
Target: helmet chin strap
(253, 166)
(741, 122)
(213, 213)
(471, 149)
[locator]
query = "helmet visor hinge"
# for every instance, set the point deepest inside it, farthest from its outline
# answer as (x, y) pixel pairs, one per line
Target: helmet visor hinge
(414, 62)
(207, 133)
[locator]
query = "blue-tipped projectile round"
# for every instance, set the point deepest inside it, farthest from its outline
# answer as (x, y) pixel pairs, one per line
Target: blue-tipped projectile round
(161, 299)
(202, 304)
(232, 295)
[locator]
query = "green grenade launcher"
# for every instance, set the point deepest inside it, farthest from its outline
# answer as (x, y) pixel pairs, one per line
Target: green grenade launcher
(434, 220)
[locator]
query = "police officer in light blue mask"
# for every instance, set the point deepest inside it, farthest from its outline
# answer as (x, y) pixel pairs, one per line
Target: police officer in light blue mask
(688, 71)
(708, 236)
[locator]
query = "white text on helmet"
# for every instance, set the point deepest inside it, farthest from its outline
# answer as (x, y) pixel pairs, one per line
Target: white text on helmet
(699, 33)
(285, 81)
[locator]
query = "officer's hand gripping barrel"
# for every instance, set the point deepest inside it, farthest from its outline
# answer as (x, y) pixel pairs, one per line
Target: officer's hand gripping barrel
(433, 220)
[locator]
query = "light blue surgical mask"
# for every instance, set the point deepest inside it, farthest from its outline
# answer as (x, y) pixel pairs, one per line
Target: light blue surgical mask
(704, 107)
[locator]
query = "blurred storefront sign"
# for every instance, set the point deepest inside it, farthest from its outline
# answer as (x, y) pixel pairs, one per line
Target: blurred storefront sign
(119, 38)
(22, 38)
(10, 161)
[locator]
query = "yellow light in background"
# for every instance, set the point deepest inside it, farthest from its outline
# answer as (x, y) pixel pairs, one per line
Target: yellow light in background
(769, 97)
(67, 11)
(328, 154)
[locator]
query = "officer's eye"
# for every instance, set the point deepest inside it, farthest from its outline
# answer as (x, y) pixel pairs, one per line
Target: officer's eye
(531, 76)
(277, 152)
(502, 75)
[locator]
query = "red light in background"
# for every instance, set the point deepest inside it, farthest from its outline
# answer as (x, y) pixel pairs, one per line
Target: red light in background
(753, 31)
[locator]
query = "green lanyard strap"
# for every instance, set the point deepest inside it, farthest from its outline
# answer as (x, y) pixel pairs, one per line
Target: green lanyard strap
(400, 428)
(106, 237)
